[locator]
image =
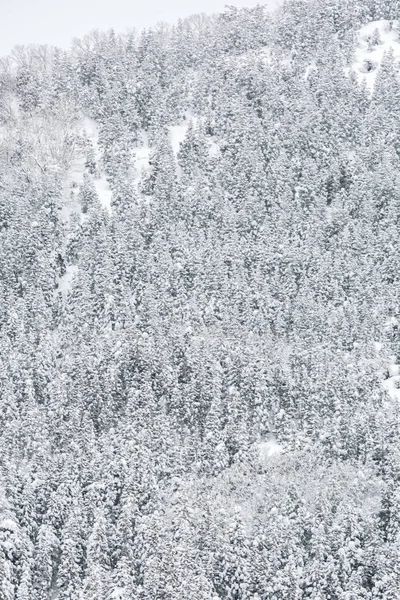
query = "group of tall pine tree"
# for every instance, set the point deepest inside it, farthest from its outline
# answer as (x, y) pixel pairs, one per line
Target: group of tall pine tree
(192, 398)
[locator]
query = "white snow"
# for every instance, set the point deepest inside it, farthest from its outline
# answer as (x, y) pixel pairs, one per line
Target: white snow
(351, 155)
(76, 171)
(65, 282)
(102, 186)
(177, 135)
(392, 384)
(388, 38)
(103, 191)
(141, 157)
(269, 448)
(311, 67)
(214, 149)
(73, 179)
(178, 132)
(118, 593)
(10, 525)
(92, 131)
(265, 54)
(394, 369)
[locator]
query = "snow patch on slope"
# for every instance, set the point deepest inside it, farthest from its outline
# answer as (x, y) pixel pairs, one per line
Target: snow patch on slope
(102, 186)
(374, 40)
(103, 191)
(9, 525)
(214, 149)
(392, 384)
(269, 448)
(65, 282)
(177, 135)
(265, 55)
(92, 131)
(141, 157)
(73, 179)
(118, 593)
(310, 69)
(77, 168)
(178, 132)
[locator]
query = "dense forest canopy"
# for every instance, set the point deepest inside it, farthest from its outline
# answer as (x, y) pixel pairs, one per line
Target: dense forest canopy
(199, 326)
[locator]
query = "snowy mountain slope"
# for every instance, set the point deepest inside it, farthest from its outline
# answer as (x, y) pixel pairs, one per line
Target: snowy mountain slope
(90, 129)
(199, 340)
(392, 384)
(375, 39)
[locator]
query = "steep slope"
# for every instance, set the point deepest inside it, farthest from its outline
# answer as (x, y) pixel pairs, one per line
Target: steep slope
(199, 340)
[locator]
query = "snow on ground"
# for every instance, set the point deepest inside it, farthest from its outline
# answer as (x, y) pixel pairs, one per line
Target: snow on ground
(72, 180)
(103, 191)
(311, 67)
(177, 135)
(10, 525)
(118, 594)
(214, 149)
(65, 282)
(374, 40)
(92, 131)
(74, 175)
(269, 448)
(351, 155)
(70, 203)
(265, 54)
(77, 169)
(178, 132)
(247, 59)
(101, 184)
(392, 384)
(141, 157)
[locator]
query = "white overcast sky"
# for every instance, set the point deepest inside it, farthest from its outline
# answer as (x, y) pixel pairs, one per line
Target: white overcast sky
(56, 22)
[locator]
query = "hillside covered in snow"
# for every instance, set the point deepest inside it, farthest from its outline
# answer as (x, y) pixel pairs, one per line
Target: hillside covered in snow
(199, 325)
